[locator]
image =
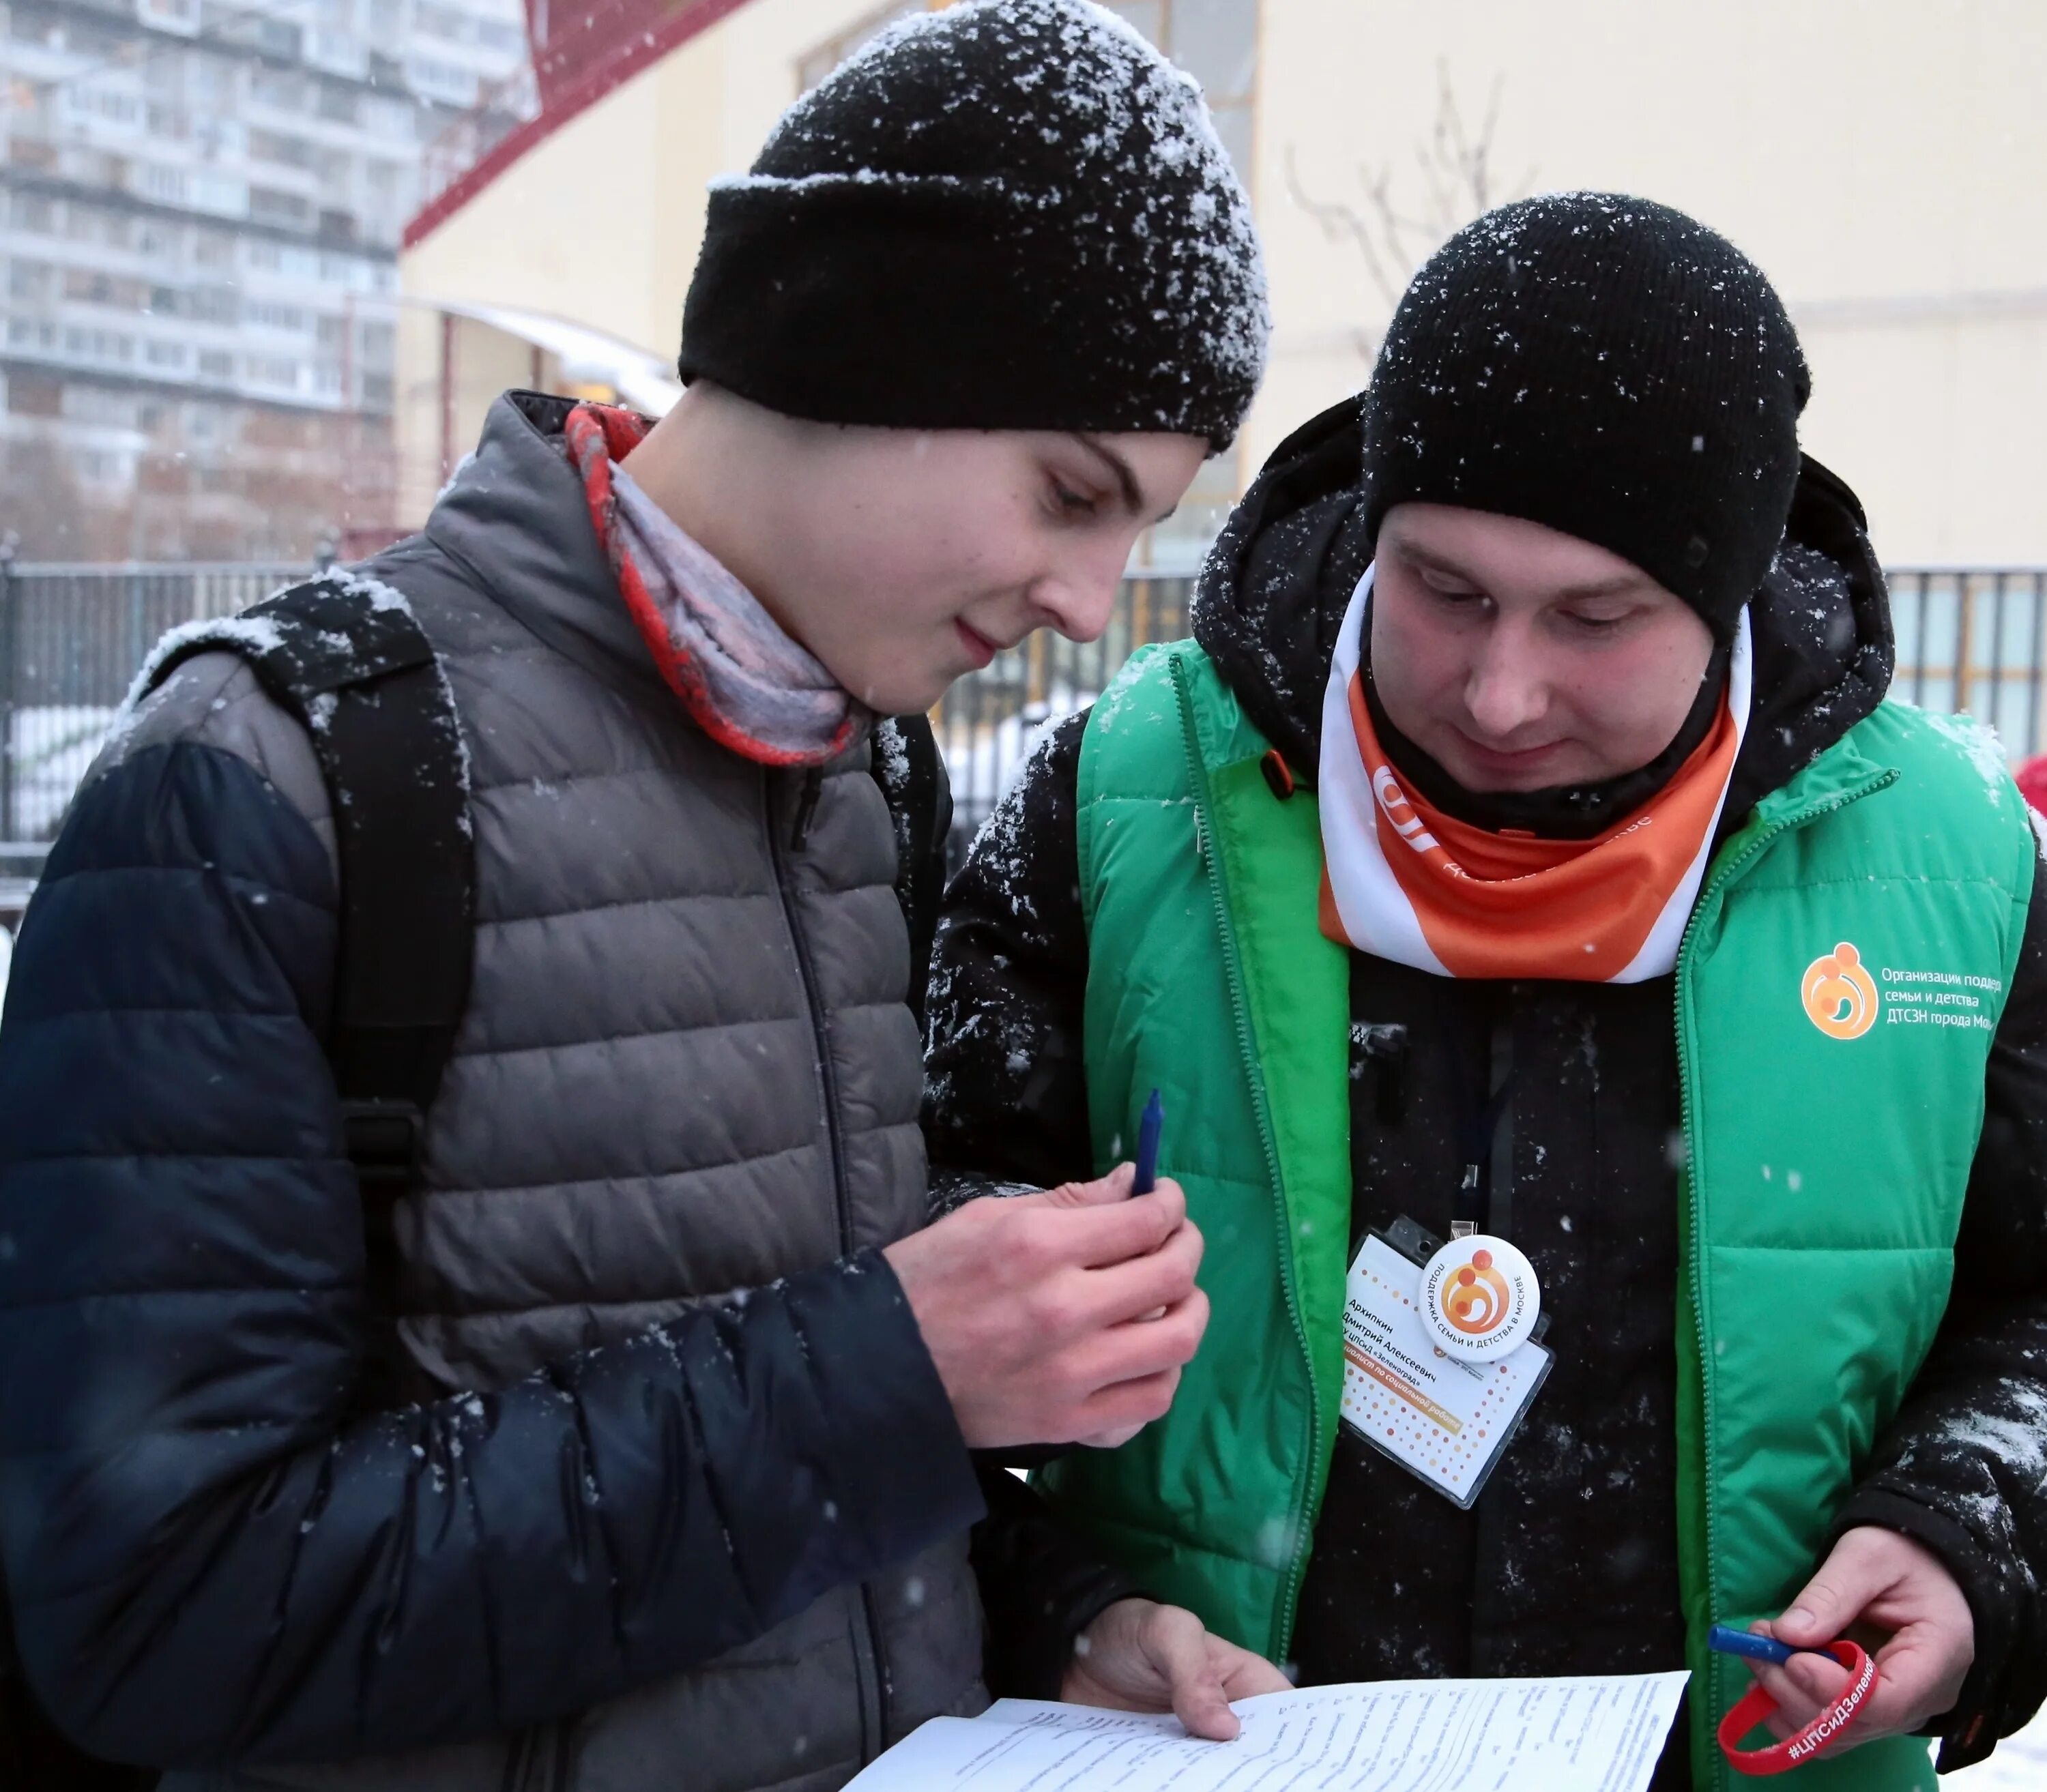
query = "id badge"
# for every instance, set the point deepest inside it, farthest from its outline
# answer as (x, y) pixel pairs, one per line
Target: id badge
(1444, 1419)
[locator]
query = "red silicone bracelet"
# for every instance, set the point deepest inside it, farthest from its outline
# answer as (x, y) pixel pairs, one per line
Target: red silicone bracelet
(1816, 1738)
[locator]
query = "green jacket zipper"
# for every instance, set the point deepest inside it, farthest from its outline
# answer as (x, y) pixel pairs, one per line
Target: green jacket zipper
(1717, 880)
(1205, 843)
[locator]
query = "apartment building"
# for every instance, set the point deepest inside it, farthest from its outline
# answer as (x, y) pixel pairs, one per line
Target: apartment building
(200, 210)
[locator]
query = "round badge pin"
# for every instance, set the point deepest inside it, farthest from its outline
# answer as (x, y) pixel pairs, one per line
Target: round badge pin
(1480, 1298)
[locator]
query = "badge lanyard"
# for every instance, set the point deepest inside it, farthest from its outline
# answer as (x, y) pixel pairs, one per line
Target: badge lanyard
(1441, 1344)
(1484, 1197)
(1480, 1299)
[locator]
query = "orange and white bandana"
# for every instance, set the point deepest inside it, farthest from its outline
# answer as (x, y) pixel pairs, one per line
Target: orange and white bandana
(1404, 882)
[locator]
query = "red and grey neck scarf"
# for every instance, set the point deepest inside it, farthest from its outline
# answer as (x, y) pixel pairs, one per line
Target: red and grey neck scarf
(745, 681)
(1404, 882)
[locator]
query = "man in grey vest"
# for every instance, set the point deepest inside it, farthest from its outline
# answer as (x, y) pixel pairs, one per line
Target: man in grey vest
(649, 1465)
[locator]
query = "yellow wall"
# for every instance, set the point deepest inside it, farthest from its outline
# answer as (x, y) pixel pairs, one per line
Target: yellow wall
(600, 223)
(1885, 161)
(1865, 152)
(486, 362)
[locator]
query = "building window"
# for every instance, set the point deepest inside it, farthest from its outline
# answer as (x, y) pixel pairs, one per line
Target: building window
(267, 205)
(441, 80)
(1215, 40)
(337, 102)
(215, 304)
(271, 315)
(215, 364)
(218, 193)
(276, 146)
(115, 108)
(94, 289)
(283, 89)
(165, 186)
(818, 63)
(172, 15)
(99, 344)
(440, 21)
(166, 354)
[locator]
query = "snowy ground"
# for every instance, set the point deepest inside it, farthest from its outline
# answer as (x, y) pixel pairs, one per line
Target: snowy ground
(2019, 1765)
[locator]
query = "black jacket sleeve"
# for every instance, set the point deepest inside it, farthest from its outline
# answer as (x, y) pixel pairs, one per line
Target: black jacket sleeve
(911, 773)
(1963, 1469)
(1005, 1088)
(213, 1554)
(1040, 1587)
(1005, 1109)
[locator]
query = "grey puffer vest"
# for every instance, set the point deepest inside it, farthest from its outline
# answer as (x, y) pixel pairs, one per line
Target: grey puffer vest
(686, 1069)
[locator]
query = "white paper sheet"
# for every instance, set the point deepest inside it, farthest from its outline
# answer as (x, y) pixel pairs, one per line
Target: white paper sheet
(1589, 1735)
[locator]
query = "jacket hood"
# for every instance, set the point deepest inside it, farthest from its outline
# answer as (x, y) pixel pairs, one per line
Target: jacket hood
(1272, 595)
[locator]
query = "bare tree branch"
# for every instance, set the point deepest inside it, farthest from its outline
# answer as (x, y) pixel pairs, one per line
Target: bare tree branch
(1456, 171)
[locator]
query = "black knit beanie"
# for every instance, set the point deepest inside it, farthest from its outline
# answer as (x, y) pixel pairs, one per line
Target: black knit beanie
(1608, 366)
(1011, 215)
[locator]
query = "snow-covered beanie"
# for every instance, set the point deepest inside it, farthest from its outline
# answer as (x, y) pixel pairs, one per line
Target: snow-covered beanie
(1608, 366)
(1010, 214)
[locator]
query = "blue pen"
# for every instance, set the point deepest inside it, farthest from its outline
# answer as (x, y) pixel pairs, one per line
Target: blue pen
(1727, 1642)
(1148, 1130)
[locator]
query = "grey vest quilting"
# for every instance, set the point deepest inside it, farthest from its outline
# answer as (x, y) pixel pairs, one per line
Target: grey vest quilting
(686, 1069)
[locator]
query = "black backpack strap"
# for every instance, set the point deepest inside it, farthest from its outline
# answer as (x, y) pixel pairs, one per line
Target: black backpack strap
(908, 767)
(345, 655)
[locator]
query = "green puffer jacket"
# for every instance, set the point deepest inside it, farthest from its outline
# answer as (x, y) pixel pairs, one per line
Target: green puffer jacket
(1827, 1158)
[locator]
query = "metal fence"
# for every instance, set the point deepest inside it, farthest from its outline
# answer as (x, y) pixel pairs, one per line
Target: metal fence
(987, 722)
(1975, 639)
(71, 639)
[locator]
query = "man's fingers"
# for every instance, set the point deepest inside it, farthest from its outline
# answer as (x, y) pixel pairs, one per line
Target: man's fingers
(1246, 1675)
(1908, 1691)
(1139, 1288)
(1143, 1347)
(1109, 1440)
(1178, 1646)
(1121, 1411)
(1918, 1677)
(1134, 1227)
(1850, 1577)
(1103, 1191)
(1091, 1234)
(1897, 1707)
(1803, 1687)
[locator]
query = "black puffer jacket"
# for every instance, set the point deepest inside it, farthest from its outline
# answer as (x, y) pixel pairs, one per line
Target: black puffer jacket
(1569, 1563)
(680, 1466)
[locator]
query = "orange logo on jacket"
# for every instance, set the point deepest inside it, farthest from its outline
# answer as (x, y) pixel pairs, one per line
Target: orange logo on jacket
(1840, 996)
(1475, 1299)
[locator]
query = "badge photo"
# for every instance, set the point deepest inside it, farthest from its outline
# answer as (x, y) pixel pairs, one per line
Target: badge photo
(1480, 1298)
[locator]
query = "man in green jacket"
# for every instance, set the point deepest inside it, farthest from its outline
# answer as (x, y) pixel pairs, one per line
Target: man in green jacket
(1524, 845)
